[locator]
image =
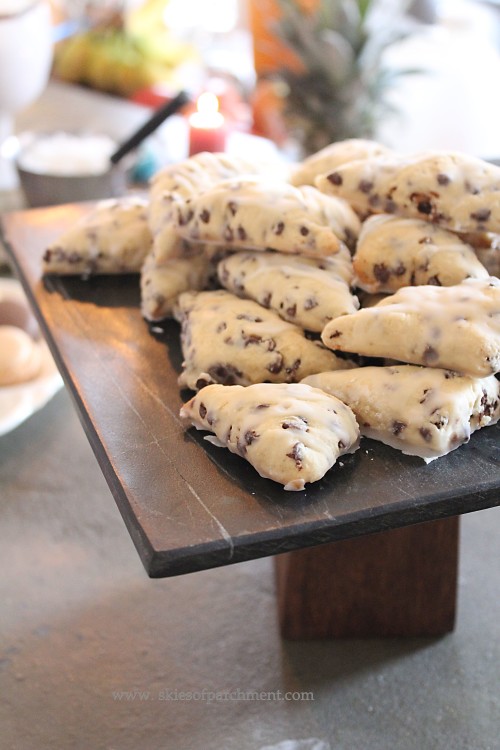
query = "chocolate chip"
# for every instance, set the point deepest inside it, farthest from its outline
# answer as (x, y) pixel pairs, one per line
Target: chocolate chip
(398, 427)
(251, 436)
(291, 311)
(202, 383)
(185, 218)
(488, 407)
(335, 335)
(276, 366)
(295, 423)
(483, 214)
(440, 421)
(310, 303)
(252, 338)
(389, 206)
(242, 235)
(249, 317)
(443, 179)
(226, 374)
(297, 454)
(335, 178)
(228, 234)
(426, 434)
(381, 272)
(424, 207)
(365, 186)
(294, 367)
(203, 411)
(304, 231)
(279, 227)
(434, 280)
(205, 216)
(430, 355)
(263, 406)
(221, 327)
(232, 207)
(266, 300)
(425, 392)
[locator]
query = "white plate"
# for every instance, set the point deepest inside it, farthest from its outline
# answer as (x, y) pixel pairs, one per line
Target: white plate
(18, 402)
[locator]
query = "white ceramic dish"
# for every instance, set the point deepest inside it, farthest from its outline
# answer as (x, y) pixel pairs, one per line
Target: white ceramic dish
(19, 402)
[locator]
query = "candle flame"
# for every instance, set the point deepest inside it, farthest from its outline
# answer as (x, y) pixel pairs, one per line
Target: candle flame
(207, 103)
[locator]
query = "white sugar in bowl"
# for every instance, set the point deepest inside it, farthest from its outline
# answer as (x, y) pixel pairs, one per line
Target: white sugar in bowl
(63, 167)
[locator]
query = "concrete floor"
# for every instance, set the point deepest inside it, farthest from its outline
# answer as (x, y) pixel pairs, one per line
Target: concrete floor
(92, 651)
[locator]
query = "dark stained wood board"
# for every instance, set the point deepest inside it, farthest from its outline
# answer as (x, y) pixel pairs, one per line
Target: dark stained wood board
(189, 505)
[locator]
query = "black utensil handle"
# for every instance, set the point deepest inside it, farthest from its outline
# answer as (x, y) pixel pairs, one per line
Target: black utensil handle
(150, 126)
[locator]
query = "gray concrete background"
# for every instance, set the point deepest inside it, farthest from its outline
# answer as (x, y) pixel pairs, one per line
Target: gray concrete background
(92, 651)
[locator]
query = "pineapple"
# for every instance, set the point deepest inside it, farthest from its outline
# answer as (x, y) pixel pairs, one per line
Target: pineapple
(339, 88)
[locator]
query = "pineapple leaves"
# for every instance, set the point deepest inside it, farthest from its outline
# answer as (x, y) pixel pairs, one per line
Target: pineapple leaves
(342, 90)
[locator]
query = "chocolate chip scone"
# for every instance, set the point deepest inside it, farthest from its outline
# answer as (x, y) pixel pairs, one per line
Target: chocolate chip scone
(456, 191)
(182, 181)
(162, 283)
(305, 291)
(419, 410)
(232, 341)
(255, 213)
(113, 238)
(332, 156)
(292, 434)
(394, 252)
(452, 327)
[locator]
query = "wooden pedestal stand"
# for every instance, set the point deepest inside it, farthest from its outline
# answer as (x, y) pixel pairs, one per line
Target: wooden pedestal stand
(401, 582)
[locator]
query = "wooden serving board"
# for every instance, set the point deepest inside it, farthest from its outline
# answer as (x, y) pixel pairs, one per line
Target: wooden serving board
(189, 505)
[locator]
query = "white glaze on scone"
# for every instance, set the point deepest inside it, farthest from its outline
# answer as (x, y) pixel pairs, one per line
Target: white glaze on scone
(332, 156)
(456, 191)
(113, 238)
(393, 252)
(236, 341)
(290, 433)
(455, 327)
(306, 291)
(421, 411)
(255, 213)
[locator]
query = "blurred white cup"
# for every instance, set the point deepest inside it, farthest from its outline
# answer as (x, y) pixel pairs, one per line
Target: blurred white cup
(26, 49)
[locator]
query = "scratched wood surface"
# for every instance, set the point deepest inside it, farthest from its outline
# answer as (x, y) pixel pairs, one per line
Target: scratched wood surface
(187, 504)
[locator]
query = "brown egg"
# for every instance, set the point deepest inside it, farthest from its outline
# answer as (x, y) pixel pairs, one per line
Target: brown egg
(14, 312)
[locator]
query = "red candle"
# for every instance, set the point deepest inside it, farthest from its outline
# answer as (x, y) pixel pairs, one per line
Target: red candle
(207, 126)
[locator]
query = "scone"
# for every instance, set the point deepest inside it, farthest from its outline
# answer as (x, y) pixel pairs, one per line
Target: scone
(255, 213)
(235, 341)
(161, 284)
(394, 252)
(182, 181)
(452, 327)
(114, 238)
(332, 156)
(292, 434)
(455, 191)
(306, 291)
(419, 410)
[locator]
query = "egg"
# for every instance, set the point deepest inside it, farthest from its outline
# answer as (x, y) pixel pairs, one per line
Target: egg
(15, 312)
